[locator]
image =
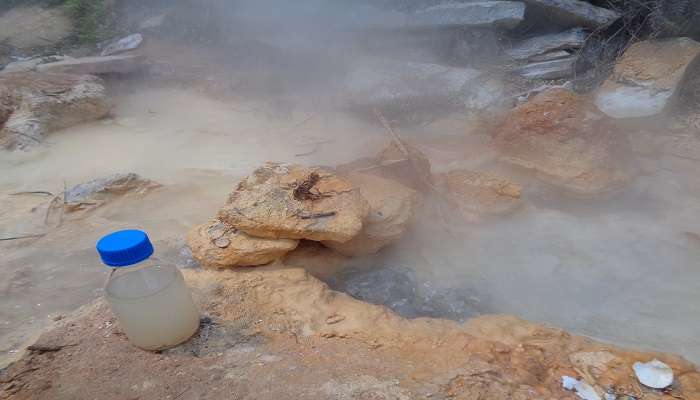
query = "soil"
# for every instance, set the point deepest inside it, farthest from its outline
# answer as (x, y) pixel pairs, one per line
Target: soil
(277, 333)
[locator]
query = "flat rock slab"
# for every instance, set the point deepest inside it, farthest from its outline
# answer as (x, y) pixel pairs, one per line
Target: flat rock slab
(392, 206)
(529, 48)
(646, 77)
(120, 64)
(574, 13)
(296, 202)
(554, 69)
(475, 193)
(98, 191)
(219, 245)
(404, 91)
(33, 104)
(31, 64)
(566, 141)
(501, 14)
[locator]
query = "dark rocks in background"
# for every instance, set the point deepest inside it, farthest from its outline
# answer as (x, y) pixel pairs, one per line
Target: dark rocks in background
(676, 18)
(552, 55)
(539, 45)
(501, 14)
(406, 91)
(475, 47)
(573, 13)
(555, 69)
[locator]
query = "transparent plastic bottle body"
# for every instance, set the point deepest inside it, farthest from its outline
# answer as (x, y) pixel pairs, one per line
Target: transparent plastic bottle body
(152, 304)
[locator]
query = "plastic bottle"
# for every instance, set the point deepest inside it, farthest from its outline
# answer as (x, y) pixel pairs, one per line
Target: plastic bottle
(150, 300)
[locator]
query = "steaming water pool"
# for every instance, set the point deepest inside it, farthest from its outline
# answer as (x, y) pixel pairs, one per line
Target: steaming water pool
(623, 269)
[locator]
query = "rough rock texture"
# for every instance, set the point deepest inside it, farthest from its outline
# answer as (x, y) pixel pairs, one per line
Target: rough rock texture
(33, 104)
(277, 333)
(501, 14)
(529, 48)
(476, 193)
(27, 28)
(574, 13)
(392, 206)
(295, 202)
(554, 69)
(646, 77)
(219, 245)
(121, 64)
(391, 163)
(405, 91)
(94, 193)
(565, 140)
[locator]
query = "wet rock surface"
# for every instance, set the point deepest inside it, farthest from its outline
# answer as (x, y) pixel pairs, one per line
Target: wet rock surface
(565, 140)
(392, 206)
(218, 245)
(280, 325)
(646, 77)
(575, 13)
(295, 202)
(538, 45)
(33, 104)
(476, 193)
(545, 70)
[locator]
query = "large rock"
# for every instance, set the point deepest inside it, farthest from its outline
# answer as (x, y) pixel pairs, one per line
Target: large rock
(219, 245)
(554, 69)
(574, 13)
(563, 138)
(98, 191)
(406, 91)
(501, 14)
(120, 64)
(295, 202)
(538, 45)
(33, 104)
(392, 206)
(475, 193)
(646, 77)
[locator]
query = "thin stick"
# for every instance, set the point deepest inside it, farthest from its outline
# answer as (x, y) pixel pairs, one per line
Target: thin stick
(393, 134)
(22, 237)
(32, 192)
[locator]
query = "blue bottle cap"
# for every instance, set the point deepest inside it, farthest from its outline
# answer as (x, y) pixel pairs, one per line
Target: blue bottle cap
(124, 248)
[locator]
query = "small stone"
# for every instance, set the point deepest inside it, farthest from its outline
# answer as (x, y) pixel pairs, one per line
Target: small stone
(126, 43)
